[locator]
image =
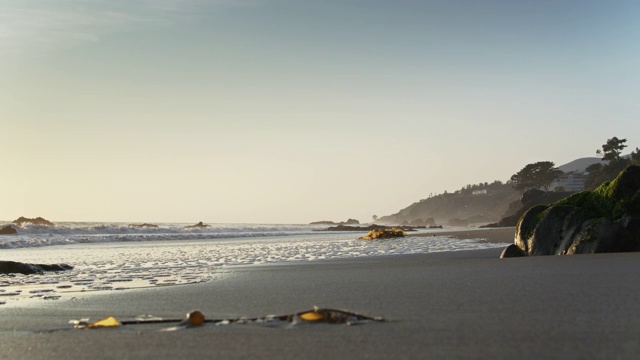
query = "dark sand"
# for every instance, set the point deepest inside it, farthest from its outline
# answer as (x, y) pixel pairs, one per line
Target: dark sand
(467, 304)
(494, 235)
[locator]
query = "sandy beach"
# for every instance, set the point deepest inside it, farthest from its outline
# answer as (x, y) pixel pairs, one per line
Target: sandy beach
(463, 304)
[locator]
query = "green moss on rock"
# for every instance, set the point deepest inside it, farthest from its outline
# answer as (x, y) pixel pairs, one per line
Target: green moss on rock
(585, 222)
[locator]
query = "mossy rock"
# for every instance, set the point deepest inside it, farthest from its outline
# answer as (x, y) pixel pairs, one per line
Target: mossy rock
(604, 220)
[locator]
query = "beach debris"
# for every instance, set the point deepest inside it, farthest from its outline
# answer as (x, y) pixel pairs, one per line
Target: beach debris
(196, 318)
(332, 316)
(384, 234)
(109, 321)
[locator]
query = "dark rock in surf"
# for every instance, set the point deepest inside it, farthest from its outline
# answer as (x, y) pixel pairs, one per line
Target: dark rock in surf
(37, 221)
(13, 267)
(198, 225)
(145, 225)
(8, 230)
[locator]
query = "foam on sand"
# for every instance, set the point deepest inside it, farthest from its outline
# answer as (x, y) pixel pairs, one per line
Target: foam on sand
(121, 266)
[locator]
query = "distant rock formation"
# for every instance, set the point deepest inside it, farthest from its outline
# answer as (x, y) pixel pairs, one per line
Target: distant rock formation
(8, 230)
(12, 267)
(37, 221)
(370, 227)
(600, 221)
(326, 222)
(145, 225)
(198, 225)
(323, 222)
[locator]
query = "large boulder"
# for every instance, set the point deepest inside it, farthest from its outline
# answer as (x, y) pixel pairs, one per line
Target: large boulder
(13, 267)
(8, 230)
(37, 221)
(600, 221)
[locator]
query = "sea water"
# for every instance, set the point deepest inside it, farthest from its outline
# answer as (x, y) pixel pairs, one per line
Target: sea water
(116, 257)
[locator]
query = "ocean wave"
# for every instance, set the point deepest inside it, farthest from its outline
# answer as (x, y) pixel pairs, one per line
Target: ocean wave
(31, 235)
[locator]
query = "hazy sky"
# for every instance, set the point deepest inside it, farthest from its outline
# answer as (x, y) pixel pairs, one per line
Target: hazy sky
(293, 111)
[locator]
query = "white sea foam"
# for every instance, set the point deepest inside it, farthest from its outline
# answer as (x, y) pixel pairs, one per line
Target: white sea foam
(113, 257)
(114, 266)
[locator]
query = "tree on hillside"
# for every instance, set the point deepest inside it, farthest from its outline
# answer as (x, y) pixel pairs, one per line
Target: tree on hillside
(612, 149)
(635, 157)
(535, 176)
(615, 163)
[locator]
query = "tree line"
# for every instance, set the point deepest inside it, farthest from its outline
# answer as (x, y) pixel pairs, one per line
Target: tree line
(541, 175)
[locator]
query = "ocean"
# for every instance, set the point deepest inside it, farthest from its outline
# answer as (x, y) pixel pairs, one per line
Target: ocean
(117, 257)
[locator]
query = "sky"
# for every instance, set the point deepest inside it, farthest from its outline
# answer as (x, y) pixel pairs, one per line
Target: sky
(292, 111)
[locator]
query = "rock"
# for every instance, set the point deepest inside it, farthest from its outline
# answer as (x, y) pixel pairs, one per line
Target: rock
(37, 221)
(12, 267)
(435, 226)
(511, 251)
(369, 228)
(600, 221)
(8, 230)
(325, 222)
(145, 225)
(198, 225)
(384, 234)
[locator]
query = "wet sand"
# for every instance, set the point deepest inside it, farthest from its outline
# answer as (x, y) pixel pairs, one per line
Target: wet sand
(492, 235)
(466, 304)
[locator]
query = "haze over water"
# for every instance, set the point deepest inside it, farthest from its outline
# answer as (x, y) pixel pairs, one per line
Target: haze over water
(288, 111)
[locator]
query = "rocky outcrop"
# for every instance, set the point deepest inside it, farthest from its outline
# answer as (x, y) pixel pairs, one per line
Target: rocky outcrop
(529, 199)
(145, 225)
(326, 222)
(600, 221)
(198, 225)
(12, 267)
(8, 230)
(384, 234)
(370, 227)
(37, 221)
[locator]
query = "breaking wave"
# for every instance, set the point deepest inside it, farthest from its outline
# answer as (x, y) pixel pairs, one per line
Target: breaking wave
(77, 232)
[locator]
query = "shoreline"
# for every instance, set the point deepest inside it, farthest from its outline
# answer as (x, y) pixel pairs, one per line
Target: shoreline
(457, 304)
(504, 235)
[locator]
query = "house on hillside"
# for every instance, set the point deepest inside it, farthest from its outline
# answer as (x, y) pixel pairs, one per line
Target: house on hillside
(479, 192)
(571, 181)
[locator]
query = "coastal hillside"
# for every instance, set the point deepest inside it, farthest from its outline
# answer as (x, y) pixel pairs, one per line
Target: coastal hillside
(580, 165)
(478, 204)
(474, 204)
